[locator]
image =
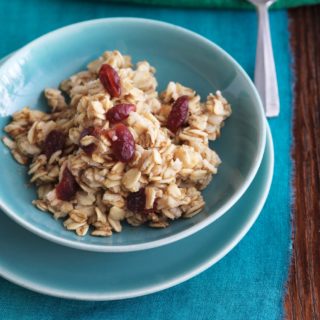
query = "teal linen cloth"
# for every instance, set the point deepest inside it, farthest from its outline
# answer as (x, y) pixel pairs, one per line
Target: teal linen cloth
(249, 283)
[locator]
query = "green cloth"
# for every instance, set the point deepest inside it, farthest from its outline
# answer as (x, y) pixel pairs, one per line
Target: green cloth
(238, 4)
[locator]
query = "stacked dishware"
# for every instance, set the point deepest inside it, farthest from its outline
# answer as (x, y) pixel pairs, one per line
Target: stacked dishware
(37, 252)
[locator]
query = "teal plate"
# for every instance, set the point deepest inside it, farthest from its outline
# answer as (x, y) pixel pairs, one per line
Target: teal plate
(45, 267)
(178, 55)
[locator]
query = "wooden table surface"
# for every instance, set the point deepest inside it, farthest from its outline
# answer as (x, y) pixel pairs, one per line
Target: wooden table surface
(302, 300)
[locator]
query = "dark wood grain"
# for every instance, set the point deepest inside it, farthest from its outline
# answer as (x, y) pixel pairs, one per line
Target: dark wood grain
(302, 300)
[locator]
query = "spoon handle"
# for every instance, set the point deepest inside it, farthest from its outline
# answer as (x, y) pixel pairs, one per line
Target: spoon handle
(265, 77)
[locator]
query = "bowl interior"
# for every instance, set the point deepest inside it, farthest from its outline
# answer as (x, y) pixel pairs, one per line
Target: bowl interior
(177, 55)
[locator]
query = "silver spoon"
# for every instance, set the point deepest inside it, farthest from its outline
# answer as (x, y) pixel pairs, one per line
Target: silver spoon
(265, 77)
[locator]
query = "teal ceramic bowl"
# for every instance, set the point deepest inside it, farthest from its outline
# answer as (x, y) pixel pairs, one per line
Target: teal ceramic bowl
(178, 55)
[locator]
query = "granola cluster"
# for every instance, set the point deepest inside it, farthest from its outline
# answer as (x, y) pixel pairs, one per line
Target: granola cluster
(72, 150)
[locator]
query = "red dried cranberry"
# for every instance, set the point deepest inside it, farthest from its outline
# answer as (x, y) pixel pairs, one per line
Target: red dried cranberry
(90, 131)
(67, 187)
(120, 112)
(55, 141)
(122, 143)
(110, 80)
(178, 114)
(136, 201)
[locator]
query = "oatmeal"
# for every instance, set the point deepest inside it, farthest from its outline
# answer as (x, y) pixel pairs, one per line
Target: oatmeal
(111, 149)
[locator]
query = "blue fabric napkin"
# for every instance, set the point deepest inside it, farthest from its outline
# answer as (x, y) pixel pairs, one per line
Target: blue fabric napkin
(249, 283)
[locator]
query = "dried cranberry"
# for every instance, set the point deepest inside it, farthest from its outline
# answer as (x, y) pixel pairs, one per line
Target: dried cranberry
(136, 201)
(67, 187)
(178, 114)
(90, 131)
(110, 80)
(55, 141)
(120, 112)
(122, 143)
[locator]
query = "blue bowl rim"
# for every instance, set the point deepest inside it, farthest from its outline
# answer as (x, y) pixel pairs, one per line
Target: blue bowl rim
(182, 234)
